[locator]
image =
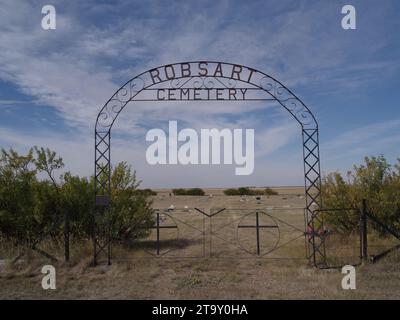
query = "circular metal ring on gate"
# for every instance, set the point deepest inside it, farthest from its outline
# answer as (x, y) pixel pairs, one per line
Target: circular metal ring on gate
(259, 227)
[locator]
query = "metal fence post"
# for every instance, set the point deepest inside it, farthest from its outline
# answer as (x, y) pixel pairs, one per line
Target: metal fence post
(258, 233)
(158, 233)
(363, 231)
(66, 236)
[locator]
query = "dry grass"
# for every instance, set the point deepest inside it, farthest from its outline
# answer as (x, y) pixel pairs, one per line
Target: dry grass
(201, 279)
(230, 274)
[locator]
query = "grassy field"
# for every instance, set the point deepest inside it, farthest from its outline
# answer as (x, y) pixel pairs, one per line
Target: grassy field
(208, 258)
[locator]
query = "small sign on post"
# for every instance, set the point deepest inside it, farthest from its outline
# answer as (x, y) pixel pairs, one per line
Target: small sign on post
(102, 200)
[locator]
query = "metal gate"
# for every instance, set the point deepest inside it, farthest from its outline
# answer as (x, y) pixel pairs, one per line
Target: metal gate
(266, 233)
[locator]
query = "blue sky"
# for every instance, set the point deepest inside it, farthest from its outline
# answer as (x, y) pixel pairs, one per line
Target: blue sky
(53, 83)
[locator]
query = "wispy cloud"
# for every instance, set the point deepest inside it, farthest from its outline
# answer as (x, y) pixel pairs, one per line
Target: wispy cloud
(97, 47)
(14, 102)
(76, 68)
(362, 135)
(371, 139)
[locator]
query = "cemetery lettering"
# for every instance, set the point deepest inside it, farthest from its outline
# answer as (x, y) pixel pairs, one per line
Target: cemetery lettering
(201, 69)
(201, 94)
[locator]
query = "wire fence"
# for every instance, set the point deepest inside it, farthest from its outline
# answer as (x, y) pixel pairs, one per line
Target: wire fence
(342, 236)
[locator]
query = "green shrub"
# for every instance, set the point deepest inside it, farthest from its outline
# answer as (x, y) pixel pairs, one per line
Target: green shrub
(188, 192)
(195, 192)
(376, 181)
(231, 192)
(243, 191)
(246, 191)
(269, 192)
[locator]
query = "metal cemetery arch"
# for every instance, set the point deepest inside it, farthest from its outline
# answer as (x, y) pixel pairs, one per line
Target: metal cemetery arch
(209, 81)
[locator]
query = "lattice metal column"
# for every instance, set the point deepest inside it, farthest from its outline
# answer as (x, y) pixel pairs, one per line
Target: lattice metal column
(102, 185)
(312, 176)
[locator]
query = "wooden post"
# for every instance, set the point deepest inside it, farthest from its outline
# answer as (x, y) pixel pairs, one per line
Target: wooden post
(363, 231)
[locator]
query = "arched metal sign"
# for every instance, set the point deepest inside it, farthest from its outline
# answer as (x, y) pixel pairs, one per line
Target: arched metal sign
(206, 81)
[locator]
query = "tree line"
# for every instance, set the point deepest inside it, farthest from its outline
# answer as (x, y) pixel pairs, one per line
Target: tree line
(35, 199)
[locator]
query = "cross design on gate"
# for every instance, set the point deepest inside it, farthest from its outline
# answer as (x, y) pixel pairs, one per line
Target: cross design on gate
(258, 227)
(158, 227)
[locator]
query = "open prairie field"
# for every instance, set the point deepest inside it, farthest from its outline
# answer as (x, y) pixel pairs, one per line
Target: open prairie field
(209, 253)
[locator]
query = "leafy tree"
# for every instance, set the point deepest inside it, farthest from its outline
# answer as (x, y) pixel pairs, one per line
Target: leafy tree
(17, 197)
(78, 202)
(376, 181)
(34, 202)
(131, 213)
